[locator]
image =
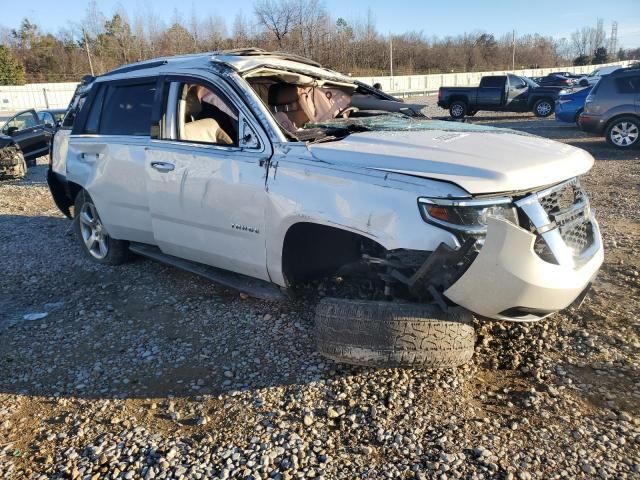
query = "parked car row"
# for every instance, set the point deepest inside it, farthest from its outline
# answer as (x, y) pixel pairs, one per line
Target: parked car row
(607, 101)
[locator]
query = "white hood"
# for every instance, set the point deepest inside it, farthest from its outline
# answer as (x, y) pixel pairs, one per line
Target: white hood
(479, 162)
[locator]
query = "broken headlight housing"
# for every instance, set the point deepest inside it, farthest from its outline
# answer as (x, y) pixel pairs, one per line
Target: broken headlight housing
(468, 216)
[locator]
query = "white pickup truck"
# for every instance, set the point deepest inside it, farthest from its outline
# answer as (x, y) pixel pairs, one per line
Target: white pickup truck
(263, 171)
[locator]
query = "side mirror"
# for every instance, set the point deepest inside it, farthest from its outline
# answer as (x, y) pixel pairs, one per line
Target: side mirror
(10, 130)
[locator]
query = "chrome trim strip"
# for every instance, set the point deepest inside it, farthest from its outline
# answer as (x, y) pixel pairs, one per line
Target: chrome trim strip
(465, 202)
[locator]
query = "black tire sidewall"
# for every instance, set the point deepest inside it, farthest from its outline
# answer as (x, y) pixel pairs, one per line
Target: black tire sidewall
(630, 119)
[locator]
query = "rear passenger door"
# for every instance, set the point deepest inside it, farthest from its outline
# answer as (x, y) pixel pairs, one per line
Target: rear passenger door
(106, 154)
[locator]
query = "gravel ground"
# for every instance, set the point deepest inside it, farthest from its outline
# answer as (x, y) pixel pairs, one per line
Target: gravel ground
(143, 371)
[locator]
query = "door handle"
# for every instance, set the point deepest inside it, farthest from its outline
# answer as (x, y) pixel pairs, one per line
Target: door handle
(90, 157)
(163, 167)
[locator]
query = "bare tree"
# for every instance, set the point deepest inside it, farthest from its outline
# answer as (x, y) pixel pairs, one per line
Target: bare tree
(276, 16)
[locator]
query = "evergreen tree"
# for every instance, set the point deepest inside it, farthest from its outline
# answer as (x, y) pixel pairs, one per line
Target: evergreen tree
(11, 71)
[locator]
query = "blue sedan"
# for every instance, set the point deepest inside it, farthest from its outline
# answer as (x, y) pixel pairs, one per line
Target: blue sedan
(570, 103)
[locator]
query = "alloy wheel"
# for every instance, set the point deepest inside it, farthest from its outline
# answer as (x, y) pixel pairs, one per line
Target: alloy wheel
(457, 110)
(93, 233)
(544, 108)
(624, 134)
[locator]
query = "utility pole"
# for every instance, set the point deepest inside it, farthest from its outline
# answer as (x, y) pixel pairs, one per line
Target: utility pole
(391, 54)
(513, 54)
(86, 46)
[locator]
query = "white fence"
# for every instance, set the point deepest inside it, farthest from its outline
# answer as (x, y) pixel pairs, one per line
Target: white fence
(36, 95)
(58, 95)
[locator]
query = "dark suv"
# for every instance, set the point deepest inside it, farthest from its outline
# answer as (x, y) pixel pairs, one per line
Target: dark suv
(613, 108)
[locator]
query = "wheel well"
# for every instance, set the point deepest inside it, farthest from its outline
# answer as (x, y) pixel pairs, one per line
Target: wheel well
(72, 191)
(619, 116)
(457, 99)
(313, 251)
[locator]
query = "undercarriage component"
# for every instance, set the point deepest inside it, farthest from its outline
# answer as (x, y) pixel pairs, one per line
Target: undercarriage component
(426, 274)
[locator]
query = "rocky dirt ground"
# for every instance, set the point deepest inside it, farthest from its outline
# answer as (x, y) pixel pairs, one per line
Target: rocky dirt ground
(143, 371)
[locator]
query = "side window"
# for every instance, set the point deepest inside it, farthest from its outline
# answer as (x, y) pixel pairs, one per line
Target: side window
(20, 122)
(126, 110)
(95, 109)
(628, 84)
(516, 82)
(492, 82)
(45, 118)
(205, 115)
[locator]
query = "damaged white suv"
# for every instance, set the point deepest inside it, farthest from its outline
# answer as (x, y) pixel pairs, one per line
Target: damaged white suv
(264, 170)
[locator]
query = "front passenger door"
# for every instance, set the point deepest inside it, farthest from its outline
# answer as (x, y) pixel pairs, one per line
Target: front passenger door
(206, 186)
(517, 93)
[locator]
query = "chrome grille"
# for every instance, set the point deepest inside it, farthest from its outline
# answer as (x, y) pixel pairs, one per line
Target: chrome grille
(561, 218)
(564, 198)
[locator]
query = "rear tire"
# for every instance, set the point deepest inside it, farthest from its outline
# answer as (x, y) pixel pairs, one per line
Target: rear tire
(458, 109)
(543, 107)
(93, 237)
(388, 334)
(623, 132)
(12, 163)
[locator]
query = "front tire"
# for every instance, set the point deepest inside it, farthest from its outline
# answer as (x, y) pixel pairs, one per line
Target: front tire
(458, 109)
(624, 132)
(543, 108)
(388, 334)
(577, 118)
(92, 235)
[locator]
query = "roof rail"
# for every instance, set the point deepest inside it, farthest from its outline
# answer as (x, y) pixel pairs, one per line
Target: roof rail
(258, 52)
(136, 66)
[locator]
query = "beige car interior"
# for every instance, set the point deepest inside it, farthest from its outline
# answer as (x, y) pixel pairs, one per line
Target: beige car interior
(202, 122)
(296, 100)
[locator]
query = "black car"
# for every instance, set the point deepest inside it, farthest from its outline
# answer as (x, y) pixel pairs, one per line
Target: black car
(499, 93)
(555, 80)
(613, 108)
(25, 137)
(32, 131)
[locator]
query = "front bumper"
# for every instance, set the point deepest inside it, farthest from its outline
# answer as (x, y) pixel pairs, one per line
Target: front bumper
(566, 112)
(508, 276)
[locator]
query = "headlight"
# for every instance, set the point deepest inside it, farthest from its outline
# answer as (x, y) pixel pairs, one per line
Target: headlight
(466, 216)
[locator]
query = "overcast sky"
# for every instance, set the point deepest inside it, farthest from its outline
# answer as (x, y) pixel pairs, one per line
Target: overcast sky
(432, 17)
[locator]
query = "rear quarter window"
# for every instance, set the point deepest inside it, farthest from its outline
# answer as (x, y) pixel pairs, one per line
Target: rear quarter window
(628, 84)
(492, 82)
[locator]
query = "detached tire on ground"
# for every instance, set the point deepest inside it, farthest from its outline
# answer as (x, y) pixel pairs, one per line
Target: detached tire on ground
(388, 334)
(12, 163)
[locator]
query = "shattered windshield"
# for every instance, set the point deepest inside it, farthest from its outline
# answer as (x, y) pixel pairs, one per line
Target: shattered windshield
(399, 123)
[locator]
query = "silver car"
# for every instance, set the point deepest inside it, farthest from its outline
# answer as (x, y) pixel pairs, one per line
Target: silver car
(264, 171)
